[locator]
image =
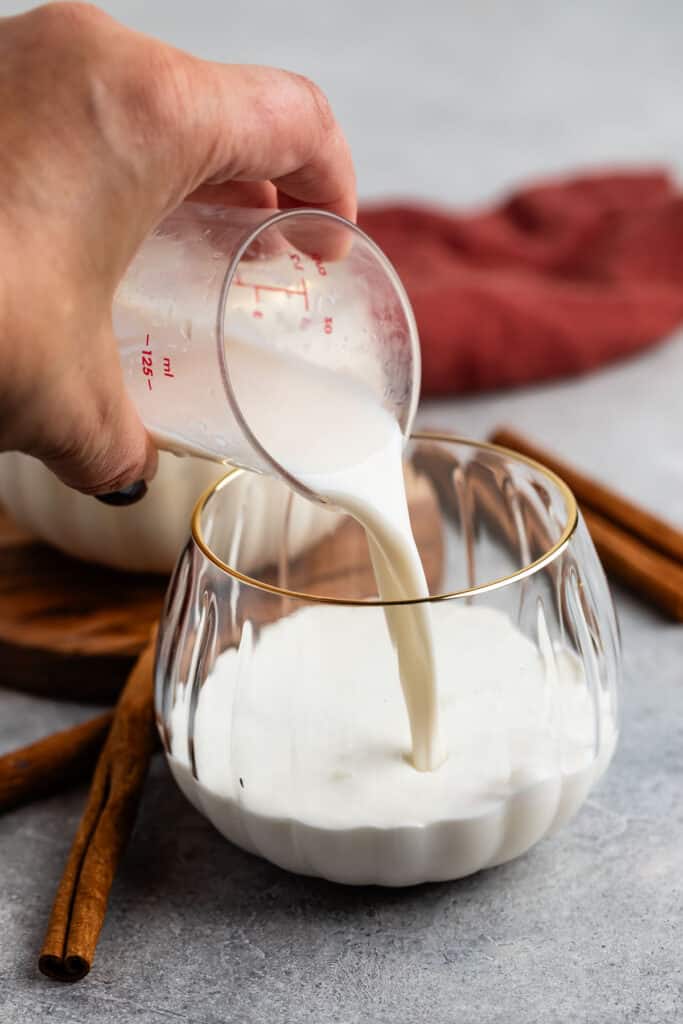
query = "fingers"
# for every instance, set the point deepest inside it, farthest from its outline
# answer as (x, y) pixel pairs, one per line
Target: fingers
(95, 441)
(282, 129)
(109, 467)
(125, 464)
(262, 124)
(254, 195)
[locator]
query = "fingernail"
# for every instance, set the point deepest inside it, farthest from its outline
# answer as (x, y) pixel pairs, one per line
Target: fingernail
(126, 496)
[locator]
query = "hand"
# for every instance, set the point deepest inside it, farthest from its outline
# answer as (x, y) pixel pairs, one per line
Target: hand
(102, 132)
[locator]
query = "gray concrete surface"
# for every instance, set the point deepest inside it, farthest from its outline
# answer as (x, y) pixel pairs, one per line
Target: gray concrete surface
(587, 927)
(452, 101)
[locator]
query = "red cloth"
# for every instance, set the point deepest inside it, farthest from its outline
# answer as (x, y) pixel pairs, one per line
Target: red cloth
(557, 279)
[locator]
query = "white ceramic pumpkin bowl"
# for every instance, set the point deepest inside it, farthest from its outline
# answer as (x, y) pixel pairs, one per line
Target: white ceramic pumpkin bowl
(148, 536)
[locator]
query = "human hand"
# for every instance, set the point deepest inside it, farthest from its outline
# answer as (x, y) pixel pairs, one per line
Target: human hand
(102, 132)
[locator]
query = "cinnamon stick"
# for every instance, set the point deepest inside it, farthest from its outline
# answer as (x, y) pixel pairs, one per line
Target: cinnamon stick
(637, 548)
(53, 763)
(644, 570)
(653, 531)
(81, 901)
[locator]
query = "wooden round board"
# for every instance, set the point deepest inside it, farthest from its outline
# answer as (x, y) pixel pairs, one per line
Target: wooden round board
(67, 628)
(73, 630)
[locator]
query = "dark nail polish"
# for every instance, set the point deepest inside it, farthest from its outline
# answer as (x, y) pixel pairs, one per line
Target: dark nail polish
(126, 496)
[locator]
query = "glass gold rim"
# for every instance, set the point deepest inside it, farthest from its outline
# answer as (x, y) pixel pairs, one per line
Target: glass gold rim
(520, 574)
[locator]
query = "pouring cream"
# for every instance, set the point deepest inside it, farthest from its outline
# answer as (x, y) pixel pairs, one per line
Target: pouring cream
(331, 435)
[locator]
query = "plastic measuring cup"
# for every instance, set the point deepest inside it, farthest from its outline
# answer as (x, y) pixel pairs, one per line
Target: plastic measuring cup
(303, 284)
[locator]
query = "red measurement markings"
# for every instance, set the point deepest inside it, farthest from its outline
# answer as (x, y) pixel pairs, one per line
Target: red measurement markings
(258, 288)
(147, 363)
(322, 269)
(297, 262)
(328, 325)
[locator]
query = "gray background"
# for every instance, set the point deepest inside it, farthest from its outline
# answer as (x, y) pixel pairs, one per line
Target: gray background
(457, 102)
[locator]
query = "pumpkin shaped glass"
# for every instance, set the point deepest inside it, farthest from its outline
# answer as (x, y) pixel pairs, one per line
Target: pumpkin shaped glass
(506, 553)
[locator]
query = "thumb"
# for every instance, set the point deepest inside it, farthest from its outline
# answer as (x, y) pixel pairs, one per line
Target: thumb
(97, 441)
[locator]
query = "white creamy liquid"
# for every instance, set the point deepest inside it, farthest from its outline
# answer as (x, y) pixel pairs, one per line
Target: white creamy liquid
(302, 746)
(330, 433)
